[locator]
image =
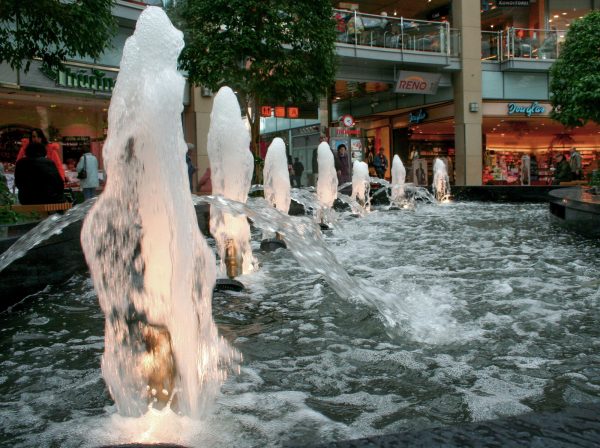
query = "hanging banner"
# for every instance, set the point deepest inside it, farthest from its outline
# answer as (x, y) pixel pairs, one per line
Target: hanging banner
(424, 83)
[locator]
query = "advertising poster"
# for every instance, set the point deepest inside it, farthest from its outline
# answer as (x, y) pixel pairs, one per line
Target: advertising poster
(419, 172)
(356, 149)
(525, 170)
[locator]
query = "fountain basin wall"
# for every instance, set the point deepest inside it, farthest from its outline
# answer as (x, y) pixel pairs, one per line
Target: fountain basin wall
(576, 209)
(51, 262)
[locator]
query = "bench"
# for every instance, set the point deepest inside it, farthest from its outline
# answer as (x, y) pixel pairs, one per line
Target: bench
(573, 183)
(41, 209)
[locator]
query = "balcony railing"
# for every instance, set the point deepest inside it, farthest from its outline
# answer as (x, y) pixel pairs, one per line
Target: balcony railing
(521, 43)
(396, 33)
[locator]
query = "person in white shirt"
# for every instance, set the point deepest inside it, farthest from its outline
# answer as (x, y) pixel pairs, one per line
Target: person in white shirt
(90, 182)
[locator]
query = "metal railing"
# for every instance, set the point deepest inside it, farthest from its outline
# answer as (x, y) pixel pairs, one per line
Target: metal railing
(521, 43)
(395, 33)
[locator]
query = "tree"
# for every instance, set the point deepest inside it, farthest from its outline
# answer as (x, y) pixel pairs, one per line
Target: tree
(268, 51)
(53, 30)
(575, 84)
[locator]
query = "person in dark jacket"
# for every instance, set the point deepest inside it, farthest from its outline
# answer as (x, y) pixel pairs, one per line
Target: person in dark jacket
(37, 178)
(344, 166)
(563, 170)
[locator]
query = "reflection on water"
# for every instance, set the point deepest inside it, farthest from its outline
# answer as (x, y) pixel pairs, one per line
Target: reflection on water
(504, 320)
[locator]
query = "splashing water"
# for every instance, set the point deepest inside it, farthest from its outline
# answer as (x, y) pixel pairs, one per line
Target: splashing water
(303, 239)
(441, 182)
(361, 186)
(398, 196)
(232, 166)
(327, 183)
(277, 179)
(52, 225)
(151, 268)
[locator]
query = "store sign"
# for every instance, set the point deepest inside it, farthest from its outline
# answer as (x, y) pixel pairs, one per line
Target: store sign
(534, 108)
(417, 117)
(344, 131)
(512, 3)
(279, 112)
(86, 79)
(418, 82)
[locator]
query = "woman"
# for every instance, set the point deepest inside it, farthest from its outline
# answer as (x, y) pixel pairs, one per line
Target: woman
(37, 136)
(37, 178)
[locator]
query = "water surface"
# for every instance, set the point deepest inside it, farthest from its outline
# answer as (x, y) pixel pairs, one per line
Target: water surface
(504, 320)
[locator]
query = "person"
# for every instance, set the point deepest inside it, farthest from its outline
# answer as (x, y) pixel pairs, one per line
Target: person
(191, 169)
(91, 181)
(298, 170)
(380, 163)
(37, 178)
(562, 172)
(575, 164)
(336, 162)
(37, 136)
(344, 165)
(315, 166)
(533, 168)
(205, 183)
(290, 168)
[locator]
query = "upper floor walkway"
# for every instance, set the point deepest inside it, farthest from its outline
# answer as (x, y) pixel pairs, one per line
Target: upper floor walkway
(372, 47)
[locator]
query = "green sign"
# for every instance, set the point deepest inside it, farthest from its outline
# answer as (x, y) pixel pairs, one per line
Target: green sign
(87, 79)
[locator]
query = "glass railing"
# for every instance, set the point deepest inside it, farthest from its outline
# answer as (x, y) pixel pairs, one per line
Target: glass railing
(521, 43)
(395, 33)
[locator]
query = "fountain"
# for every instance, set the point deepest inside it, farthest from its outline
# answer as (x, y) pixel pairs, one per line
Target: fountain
(441, 182)
(327, 184)
(361, 186)
(276, 188)
(480, 311)
(398, 196)
(232, 165)
(152, 269)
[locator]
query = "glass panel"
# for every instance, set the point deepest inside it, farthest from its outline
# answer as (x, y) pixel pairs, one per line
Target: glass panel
(531, 86)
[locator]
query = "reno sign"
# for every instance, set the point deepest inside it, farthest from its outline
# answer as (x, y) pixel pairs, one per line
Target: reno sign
(423, 83)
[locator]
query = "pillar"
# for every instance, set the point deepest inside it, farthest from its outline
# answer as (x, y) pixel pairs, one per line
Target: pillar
(467, 94)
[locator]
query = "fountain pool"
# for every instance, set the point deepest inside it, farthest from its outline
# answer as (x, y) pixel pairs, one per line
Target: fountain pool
(504, 313)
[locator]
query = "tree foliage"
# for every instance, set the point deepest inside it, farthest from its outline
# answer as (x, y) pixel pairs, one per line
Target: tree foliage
(53, 30)
(575, 85)
(266, 50)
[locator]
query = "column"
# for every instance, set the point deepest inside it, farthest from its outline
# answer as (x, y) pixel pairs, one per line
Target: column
(202, 103)
(467, 94)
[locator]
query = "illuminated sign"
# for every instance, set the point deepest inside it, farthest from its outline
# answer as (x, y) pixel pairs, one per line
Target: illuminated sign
(418, 82)
(280, 111)
(512, 3)
(534, 108)
(87, 79)
(417, 117)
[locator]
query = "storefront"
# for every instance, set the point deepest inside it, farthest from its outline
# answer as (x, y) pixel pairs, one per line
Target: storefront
(521, 143)
(70, 106)
(422, 135)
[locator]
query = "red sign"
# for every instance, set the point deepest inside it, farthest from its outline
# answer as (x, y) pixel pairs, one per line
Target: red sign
(292, 112)
(266, 111)
(280, 111)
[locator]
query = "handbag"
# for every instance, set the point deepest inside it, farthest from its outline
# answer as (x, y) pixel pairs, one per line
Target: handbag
(82, 174)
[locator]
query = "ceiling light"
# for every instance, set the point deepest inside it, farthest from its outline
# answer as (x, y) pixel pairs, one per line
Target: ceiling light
(395, 12)
(52, 106)
(550, 20)
(11, 102)
(555, 16)
(80, 108)
(564, 13)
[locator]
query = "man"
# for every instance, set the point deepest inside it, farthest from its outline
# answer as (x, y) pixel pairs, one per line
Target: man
(298, 170)
(380, 163)
(575, 163)
(90, 182)
(562, 171)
